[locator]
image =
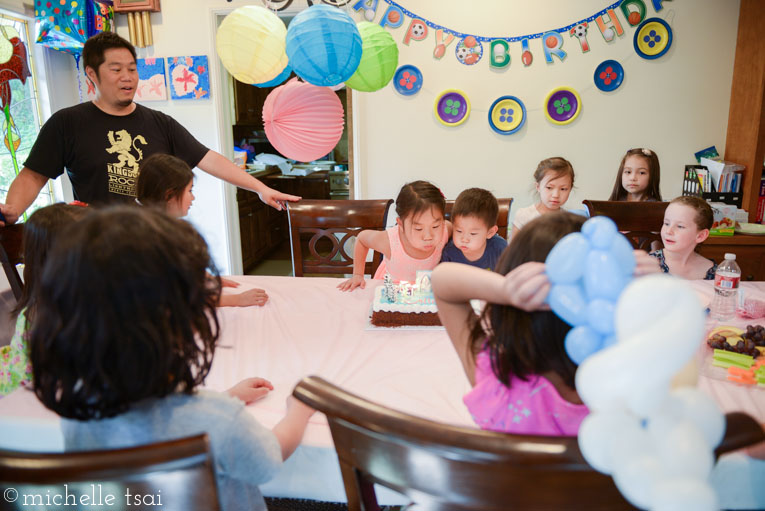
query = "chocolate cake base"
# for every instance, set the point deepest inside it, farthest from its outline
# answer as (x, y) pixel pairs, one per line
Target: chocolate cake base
(396, 319)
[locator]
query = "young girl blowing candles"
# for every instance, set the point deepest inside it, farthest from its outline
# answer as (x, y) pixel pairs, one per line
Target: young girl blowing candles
(124, 332)
(687, 221)
(40, 231)
(166, 182)
(638, 177)
(554, 179)
(414, 243)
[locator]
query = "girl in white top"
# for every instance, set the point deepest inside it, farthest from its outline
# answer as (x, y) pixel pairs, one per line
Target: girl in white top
(554, 180)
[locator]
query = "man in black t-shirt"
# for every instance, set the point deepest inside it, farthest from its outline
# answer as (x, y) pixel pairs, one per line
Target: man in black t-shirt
(101, 143)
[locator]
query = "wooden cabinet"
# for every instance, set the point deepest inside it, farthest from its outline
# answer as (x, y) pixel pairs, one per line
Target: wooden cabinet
(248, 104)
(749, 250)
(261, 227)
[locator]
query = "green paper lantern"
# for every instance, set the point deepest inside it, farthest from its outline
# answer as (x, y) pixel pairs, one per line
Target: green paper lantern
(379, 59)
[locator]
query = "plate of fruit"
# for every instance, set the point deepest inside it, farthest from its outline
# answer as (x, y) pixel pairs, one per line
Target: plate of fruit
(740, 353)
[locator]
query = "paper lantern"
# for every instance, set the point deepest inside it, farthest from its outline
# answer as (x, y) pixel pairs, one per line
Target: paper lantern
(276, 81)
(379, 59)
(323, 45)
(250, 43)
(302, 121)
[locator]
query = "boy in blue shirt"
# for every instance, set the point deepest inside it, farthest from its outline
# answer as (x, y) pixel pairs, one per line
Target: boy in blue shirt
(475, 240)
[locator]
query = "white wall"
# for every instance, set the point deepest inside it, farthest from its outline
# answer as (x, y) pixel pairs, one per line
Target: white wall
(674, 105)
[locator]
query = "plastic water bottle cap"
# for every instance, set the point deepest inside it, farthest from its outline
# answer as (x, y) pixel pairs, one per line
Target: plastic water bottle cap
(731, 257)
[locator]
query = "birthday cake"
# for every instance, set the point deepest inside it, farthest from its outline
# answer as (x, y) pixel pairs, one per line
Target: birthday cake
(399, 304)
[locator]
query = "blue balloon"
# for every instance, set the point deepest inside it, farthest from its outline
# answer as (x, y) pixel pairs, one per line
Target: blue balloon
(624, 253)
(609, 341)
(600, 316)
(276, 81)
(323, 45)
(600, 230)
(565, 262)
(568, 302)
(581, 342)
(603, 278)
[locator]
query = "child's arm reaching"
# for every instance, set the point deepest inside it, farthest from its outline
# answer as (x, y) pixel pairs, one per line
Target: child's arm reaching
(454, 285)
(289, 431)
(247, 298)
(376, 240)
(250, 389)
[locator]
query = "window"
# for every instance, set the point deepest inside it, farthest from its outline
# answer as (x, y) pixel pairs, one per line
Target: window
(20, 120)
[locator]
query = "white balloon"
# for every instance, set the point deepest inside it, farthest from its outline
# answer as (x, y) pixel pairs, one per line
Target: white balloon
(693, 405)
(643, 400)
(683, 451)
(637, 479)
(683, 493)
(632, 442)
(598, 432)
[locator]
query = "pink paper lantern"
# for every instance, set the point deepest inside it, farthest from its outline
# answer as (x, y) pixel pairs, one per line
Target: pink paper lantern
(302, 121)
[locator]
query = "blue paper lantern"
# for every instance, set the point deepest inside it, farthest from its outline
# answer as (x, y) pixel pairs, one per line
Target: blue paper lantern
(323, 45)
(276, 81)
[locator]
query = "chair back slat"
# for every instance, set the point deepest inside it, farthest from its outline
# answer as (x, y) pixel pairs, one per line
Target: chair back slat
(11, 254)
(640, 222)
(502, 218)
(179, 472)
(320, 232)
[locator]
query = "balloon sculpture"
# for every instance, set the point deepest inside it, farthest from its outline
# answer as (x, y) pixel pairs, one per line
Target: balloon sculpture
(302, 121)
(657, 443)
(588, 271)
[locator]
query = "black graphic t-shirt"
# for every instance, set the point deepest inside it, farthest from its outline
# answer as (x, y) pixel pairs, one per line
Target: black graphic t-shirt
(102, 153)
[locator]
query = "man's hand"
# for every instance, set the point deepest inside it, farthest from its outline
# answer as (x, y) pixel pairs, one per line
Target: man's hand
(277, 199)
(10, 214)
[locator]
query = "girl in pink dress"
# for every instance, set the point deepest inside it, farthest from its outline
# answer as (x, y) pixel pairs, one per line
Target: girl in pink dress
(414, 243)
(513, 354)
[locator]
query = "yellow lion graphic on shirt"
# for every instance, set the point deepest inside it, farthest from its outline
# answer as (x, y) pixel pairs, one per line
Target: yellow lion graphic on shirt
(124, 145)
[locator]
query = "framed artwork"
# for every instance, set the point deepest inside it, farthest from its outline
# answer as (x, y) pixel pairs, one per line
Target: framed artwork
(189, 77)
(151, 80)
(136, 5)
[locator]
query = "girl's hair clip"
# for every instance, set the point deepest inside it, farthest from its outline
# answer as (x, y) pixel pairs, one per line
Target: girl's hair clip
(646, 152)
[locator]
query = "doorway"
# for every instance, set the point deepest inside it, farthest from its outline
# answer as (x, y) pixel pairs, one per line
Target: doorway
(258, 235)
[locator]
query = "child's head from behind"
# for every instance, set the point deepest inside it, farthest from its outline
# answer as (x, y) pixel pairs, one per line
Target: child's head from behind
(638, 176)
(420, 208)
(528, 343)
(165, 181)
(687, 221)
(129, 313)
(42, 228)
(554, 179)
(474, 217)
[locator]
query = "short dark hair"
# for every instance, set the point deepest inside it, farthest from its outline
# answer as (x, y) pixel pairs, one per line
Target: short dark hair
(41, 230)
(162, 177)
(419, 196)
(654, 175)
(520, 343)
(479, 203)
(126, 312)
(704, 217)
(95, 47)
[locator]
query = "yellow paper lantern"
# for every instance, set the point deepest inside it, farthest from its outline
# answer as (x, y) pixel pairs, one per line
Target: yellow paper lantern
(251, 44)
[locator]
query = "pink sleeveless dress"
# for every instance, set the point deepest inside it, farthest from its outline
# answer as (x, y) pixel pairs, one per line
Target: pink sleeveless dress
(401, 265)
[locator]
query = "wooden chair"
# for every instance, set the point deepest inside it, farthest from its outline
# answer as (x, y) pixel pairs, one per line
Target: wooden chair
(640, 221)
(11, 254)
(328, 225)
(502, 218)
(179, 472)
(451, 468)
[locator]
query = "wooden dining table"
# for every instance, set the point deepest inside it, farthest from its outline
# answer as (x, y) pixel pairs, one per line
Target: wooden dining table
(308, 327)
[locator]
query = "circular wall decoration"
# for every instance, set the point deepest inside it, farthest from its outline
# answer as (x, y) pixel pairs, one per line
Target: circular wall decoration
(562, 105)
(609, 75)
(652, 38)
(468, 50)
(407, 80)
(452, 107)
(507, 115)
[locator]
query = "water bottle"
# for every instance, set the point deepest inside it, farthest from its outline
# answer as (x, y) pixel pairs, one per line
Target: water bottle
(727, 278)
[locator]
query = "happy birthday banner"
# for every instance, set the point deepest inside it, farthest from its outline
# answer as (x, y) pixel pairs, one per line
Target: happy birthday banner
(469, 48)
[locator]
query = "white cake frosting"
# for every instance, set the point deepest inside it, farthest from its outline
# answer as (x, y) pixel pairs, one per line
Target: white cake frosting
(421, 304)
(405, 297)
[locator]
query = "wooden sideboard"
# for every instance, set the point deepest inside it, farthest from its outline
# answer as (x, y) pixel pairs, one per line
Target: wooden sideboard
(749, 250)
(261, 227)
